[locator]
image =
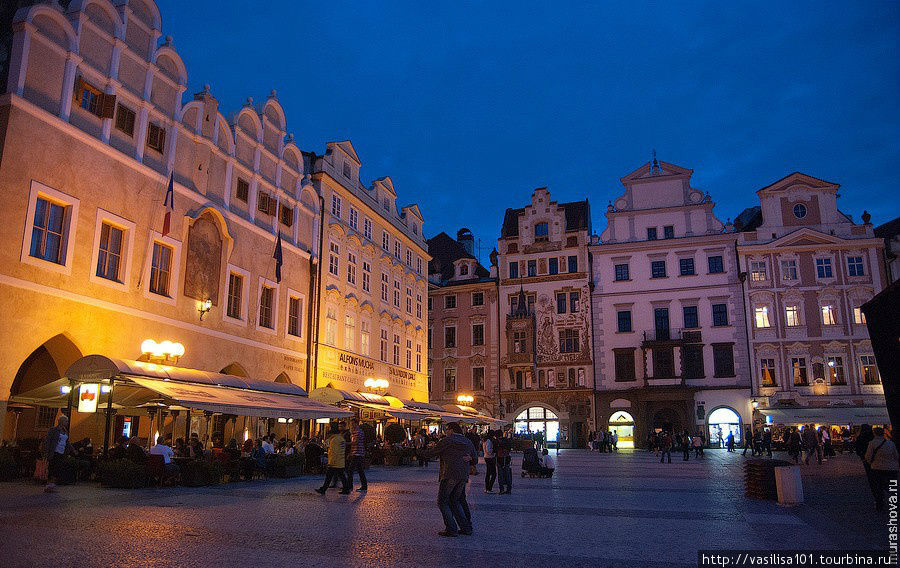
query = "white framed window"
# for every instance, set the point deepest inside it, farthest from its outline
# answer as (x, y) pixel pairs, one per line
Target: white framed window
(869, 370)
(418, 266)
(396, 293)
(112, 251)
(157, 284)
(366, 276)
(237, 282)
(331, 326)
(351, 268)
(364, 346)
(409, 301)
(385, 241)
(828, 315)
(855, 266)
(398, 249)
(334, 259)
(336, 205)
(384, 288)
(384, 345)
(295, 315)
(367, 228)
(49, 230)
(789, 270)
(792, 316)
(409, 257)
(349, 332)
(396, 352)
(761, 317)
(418, 357)
(419, 306)
(354, 219)
(267, 312)
(824, 270)
(758, 272)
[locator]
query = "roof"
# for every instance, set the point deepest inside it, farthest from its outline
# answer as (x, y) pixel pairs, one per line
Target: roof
(578, 215)
(444, 251)
(749, 219)
(888, 230)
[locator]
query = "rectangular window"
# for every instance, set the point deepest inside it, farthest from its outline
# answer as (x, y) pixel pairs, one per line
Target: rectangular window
(419, 306)
(91, 99)
(235, 295)
(686, 266)
(693, 362)
(823, 268)
(622, 272)
(47, 234)
(396, 293)
(46, 416)
(477, 298)
(723, 359)
(691, 317)
(385, 241)
(574, 298)
(716, 265)
(553, 265)
(295, 311)
(125, 119)
(767, 372)
(396, 350)
(450, 337)
(478, 378)
(160, 269)
(408, 354)
(398, 249)
(449, 302)
(658, 269)
(761, 317)
(624, 365)
(532, 268)
(409, 302)
(520, 342)
(364, 338)
(110, 258)
(859, 317)
(156, 137)
(384, 288)
(869, 370)
(663, 362)
(409, 261)
(828, 315)
(799, 371)
(418, 265)
(651, 233)
(668, 232)
(573, 264)
(541, 232)
(384, 345)
(758, 271)
(568, 341)
(835, 368)
(286, 215)
(367, 229)
(561, 303)
(623, 321)
(513, 269)
(334, 259)
(351, 268)
(792, 316)
(449, 380)
(336, 205)
(262, 202)
(720, 314)
(266, 303)
(349, 333)
(661, 323)
(242, 192)
(366, 276)
(789, 270)
(331, 326)
(354, 219)
(345, 170)
(478, 334)
(855, 266)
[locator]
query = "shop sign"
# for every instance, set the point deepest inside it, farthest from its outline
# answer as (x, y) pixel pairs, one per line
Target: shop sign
(88, 393)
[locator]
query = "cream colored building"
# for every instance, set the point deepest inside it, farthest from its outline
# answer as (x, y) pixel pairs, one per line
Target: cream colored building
(91, 124)
(373, 312)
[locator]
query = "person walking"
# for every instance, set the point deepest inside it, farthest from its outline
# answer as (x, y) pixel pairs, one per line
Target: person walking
(456, 453)
(56, 444)
(767, 442)
(336, 460)
(697, 444)
(421, 442)
(827, 448)
(357, 456)
(748, 441)
(490, 462)
(686, 445)
(614, 439)
(810, 440)
(729, 442)
(861, 445)
(881, 455)
(665, 444)
(503, 449)
(794, 444)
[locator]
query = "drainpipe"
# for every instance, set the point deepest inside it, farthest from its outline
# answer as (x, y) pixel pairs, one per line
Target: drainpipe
(590, 300)
(742, 277)
(499, 347)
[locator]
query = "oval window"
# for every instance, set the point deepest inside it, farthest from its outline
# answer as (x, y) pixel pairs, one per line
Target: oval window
(799, 211)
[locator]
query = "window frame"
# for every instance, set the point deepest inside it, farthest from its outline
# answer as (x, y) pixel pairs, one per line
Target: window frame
(622, 272)
(265, 282)
(128, 235)
(654, 264)
(686, 266)
(70, 225)
(624, 323)
(727, 320)
(245, 291)
(720, 259)
(174, 272)
(301, 317)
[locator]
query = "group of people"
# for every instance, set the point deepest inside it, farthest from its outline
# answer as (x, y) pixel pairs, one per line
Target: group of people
(603, 441)
(664, 442)
(346, 456)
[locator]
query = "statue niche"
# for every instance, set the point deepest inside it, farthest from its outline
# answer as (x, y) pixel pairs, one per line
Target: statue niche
(204, 259)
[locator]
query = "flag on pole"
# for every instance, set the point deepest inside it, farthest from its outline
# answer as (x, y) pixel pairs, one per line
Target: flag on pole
(169, 204)
(279, 258)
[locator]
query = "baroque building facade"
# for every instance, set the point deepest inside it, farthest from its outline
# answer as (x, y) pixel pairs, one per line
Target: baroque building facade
(546, 349)
(669, 334)
(810, 269)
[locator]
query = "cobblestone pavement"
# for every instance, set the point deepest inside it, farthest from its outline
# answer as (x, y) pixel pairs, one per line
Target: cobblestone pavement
(622, 509)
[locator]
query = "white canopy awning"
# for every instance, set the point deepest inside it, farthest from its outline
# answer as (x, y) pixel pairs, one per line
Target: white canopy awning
(832, 415)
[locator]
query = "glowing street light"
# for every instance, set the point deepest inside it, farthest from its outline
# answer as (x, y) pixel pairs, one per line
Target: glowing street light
(162, 351)
(376, 384)
(465, 399)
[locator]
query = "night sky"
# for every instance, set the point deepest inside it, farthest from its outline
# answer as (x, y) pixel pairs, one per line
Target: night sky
(468, 107)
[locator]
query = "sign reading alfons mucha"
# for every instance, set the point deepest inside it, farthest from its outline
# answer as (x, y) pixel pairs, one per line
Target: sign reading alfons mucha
(349, 371)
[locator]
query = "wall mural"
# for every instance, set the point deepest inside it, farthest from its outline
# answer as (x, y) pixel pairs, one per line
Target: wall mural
(203, 268)
(549, 323)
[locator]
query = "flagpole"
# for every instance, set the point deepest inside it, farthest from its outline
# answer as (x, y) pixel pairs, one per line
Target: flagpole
(150, 232)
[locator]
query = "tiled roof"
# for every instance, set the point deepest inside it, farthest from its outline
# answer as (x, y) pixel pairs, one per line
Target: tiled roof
(444, 251)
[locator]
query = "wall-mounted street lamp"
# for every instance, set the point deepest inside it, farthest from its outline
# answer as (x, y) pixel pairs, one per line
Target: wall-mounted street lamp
(204, 307)
(754, 403)
(162, 352)
(465, 399)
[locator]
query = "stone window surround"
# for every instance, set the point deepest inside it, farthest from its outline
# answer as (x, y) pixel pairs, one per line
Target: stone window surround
(128, 229)
(245, 288)
(71, 224)
(174, 270)
(291, 293)
(270, 284)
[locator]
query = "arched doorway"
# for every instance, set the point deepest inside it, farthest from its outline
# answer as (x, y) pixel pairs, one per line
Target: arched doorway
(668, 420)
(538, 419)
(622, 423)
(720, 422)
(235, 369)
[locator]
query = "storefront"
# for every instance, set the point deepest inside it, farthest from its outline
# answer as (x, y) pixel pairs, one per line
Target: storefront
(843, 416)
(538, 419)
(720, 423)
(622, 424)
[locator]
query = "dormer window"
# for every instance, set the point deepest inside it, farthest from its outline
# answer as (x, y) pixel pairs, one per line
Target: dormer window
(541, 232)
(346, 170)
(386, 204)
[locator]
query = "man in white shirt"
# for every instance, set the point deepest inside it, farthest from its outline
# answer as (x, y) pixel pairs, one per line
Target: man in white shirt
(267, 445)
(547, 464)
(162, 448)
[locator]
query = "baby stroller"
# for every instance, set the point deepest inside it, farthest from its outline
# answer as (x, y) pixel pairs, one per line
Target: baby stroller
(531, 464)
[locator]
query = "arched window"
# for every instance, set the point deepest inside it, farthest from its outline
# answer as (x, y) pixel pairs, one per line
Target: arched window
(538, 419)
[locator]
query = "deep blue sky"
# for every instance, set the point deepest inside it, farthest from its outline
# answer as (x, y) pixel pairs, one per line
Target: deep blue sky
(468, 107)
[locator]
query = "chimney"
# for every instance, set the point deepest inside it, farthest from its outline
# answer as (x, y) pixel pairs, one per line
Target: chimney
(465, 238)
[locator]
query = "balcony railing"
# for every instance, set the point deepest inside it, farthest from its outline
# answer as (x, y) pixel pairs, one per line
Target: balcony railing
(662, 334)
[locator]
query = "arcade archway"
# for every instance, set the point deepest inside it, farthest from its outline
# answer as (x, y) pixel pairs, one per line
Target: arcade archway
(622, 424)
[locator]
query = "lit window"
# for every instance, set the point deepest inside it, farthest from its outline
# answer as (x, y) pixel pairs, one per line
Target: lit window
(160, 269)
(789, 269)
(761, 316)
(758, 271)
(364, 338)
(858, 316)
(767, 372)
(792, 316)
(331, 326)
(799, 371)
(835, 368)
(109, 259)
(828, 315)
(869, 370)
(47, 233)
(349, 333)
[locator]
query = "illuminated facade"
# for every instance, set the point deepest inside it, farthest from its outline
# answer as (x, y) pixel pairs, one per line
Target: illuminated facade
(372, 313)
(92, 123)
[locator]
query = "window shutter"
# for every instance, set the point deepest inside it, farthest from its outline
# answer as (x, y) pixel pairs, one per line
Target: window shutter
(262, 202)
(272, 205)
(107, 105)
(78, 90)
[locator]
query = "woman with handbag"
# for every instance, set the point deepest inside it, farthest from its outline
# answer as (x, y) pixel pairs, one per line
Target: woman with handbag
(55, 445)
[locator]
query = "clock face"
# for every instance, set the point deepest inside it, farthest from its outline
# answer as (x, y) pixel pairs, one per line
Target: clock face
(799, 211)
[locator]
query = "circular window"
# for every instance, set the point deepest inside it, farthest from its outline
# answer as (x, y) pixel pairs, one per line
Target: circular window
(799, 211)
